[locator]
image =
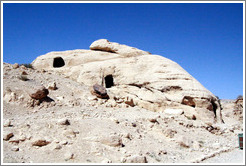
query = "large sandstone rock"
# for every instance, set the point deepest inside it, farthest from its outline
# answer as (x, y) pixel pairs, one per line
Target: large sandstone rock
(152, 82)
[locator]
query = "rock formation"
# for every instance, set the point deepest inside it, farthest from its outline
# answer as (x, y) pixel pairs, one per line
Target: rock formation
(149, 81)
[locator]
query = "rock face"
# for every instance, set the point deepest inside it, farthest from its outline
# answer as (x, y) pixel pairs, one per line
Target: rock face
(149, 81)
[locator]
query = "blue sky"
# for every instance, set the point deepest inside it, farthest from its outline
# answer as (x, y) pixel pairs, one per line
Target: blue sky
(206, 39)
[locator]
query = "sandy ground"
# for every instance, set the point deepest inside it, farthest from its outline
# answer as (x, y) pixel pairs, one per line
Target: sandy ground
(234, 156)
(75, 127)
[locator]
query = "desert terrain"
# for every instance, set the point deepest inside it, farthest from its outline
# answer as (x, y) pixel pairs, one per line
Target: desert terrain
(114, 104)
(73, 126)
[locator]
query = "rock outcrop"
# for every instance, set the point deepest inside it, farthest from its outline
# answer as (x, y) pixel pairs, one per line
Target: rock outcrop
(126, 51)
(149, 81)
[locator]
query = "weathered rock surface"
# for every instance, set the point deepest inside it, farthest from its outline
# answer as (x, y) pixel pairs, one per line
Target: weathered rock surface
(126, 51)
(149, 81)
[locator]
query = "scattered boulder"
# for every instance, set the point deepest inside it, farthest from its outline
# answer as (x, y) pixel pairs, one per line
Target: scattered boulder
(130, 102)
(24, 73)
(99, 91)
(153, 120)
(111, 140)
(39, 92)
(7, 135)
(23, 76)
(40, 143)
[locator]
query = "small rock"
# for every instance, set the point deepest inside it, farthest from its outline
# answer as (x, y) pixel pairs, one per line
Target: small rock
(15, 148)
(134, 124)
(196, 145)
(40, 143)
(52, 86)
(169, 133)
(7, 135)
(112, 140)
(162, 152)
(24, 73)
(151, 125)
(153, 120)
(57, 146)
(63, 122)
(106, 161)
(136, 159)
(128, 135)
(63, 142)
(184, 142)
(69, 133)
(7, 123)
(115, 120)
(130, 102)
(15, 66)
(108, 105)
(68, 156)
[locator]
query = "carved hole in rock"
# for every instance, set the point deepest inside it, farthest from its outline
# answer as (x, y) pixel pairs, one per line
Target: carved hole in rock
(109, 81)
(187, 100)
(58, 62)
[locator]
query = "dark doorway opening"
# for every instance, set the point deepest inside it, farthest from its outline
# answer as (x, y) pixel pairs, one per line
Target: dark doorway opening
(214, 107)
(109, 81)
(58, 62)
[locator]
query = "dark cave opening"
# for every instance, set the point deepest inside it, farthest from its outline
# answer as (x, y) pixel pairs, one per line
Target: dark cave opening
(109, 81)
(58, 62)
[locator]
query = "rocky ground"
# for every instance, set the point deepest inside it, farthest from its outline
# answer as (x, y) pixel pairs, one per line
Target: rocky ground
(73, 126)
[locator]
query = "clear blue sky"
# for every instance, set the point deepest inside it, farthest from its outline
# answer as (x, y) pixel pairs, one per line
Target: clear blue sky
(205, 39)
